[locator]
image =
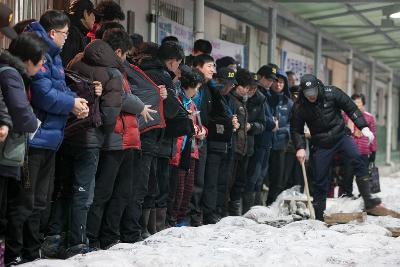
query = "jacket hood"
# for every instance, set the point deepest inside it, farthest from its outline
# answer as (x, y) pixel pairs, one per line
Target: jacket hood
(41, 32)
(281, 74)
(12, 61)
(100, 53)
(76, 22)
(154, 63)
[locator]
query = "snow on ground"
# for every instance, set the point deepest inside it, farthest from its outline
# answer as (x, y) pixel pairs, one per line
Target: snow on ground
(239, 241)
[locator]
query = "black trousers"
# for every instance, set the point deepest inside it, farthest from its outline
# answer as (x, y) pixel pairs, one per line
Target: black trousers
(277, 182)
(130, 228)
(3, 205)
(239, 177)
(26, 200)
(114, 167)
(213, 171)
(163, 180)
(119, 201)
(195, 207)
(348, 174)
(293, 173)
(76, 173)
(224, 178)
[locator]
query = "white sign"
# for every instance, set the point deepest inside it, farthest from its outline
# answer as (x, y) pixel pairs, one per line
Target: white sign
(222, 48)
(299, 64)
(167, 27)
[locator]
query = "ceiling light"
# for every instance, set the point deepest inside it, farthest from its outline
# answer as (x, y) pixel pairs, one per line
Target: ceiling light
(395, 15)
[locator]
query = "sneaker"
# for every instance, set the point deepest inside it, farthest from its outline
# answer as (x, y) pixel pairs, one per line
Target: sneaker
(52, 246)
(78, 249)
(183, 223)
(16, 261)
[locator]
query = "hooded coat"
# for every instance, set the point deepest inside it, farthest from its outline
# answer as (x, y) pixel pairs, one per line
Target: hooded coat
(16, 101)
(95, 63)
(51, 99)
(281, 107)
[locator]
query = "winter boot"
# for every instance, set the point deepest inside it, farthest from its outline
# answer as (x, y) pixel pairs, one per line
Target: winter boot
(234, 208)
(161, 215)
(248, 201)
(319, 208)
(363, 184)
(151, 226)
(144, 220)
(53, 246)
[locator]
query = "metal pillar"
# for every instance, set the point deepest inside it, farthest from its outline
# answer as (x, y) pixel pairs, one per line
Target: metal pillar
(389, 117)
(152, 21)
(371, 89)
(272, 21)
(198, 19)
(350, 73)
(318, 53)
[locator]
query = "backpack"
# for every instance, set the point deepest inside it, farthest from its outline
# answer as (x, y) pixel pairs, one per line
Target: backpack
(84, 88)
(13, 149)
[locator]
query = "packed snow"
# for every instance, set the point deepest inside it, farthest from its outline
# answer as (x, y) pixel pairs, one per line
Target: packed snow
(253, 241)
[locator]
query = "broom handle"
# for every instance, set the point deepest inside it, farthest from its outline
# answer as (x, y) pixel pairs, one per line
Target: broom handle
(310, 207)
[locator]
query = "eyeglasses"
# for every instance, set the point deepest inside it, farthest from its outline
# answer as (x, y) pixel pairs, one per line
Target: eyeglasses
(64, 33)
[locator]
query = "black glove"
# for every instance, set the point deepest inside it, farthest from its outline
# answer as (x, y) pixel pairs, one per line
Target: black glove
(372, 157)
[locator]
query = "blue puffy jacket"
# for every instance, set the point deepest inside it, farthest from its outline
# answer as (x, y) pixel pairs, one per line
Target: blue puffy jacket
(51, 99)
(281, 107)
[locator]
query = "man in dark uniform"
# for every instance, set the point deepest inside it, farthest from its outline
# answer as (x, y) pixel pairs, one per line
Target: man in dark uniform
(320, 107)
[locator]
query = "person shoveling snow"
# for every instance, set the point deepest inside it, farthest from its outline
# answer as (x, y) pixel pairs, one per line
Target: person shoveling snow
(320, 107)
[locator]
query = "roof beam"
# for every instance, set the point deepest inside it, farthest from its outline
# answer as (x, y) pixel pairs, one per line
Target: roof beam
(332, 1)
(366, 34)
(370, 23)
(341, 14)
(353, 26)
(381, 49)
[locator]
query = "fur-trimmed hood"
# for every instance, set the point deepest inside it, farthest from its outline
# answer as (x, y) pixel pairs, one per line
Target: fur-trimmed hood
(7, 58)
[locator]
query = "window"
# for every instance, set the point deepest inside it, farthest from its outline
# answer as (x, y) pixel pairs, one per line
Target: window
(171, 12)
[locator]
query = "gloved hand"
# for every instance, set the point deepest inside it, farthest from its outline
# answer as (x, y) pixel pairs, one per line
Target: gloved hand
(367, 133)
(372, 157)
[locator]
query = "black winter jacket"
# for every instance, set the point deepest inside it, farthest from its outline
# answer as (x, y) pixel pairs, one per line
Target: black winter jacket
(95, 63)
(76, 41)
(5, 118)
(324, 118)
(256, 117)
(158, 72)
(20, 111)
(239, 142)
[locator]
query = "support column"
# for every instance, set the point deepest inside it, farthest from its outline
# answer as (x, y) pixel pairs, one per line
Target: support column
(198, 19)
(350, 73)
(389, 117)
(317, 53)
(272, 21)
(371, 89)
(152, 19)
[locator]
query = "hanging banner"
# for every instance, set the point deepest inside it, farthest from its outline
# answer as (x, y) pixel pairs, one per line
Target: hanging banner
(299, 64)
(167, 27)
(221, 48)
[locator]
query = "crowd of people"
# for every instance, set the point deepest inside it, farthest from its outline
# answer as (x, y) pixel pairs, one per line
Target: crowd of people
(105, 138)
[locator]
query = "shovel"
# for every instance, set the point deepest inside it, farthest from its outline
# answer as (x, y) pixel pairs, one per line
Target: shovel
(307, 191)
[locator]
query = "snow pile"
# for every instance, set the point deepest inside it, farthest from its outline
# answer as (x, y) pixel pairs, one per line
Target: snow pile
(239, 241)
(344, 205)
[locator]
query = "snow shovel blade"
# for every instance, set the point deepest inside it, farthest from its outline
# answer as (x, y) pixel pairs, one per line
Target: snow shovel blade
(381, 210)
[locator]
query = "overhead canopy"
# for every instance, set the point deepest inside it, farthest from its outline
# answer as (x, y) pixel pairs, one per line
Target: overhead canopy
(360, 25)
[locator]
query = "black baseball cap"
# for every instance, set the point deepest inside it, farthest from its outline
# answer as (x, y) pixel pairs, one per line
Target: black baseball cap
(6, 17)
(227, 74)
(309, 85)
(268, 71)
(77, 6)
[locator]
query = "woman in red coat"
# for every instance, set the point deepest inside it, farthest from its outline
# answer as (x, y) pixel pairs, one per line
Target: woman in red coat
(187, 146)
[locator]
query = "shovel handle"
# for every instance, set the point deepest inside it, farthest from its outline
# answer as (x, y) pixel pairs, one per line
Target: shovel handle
(307, 191)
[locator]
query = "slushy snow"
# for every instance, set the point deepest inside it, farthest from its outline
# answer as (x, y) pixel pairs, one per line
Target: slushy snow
(248, 241)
